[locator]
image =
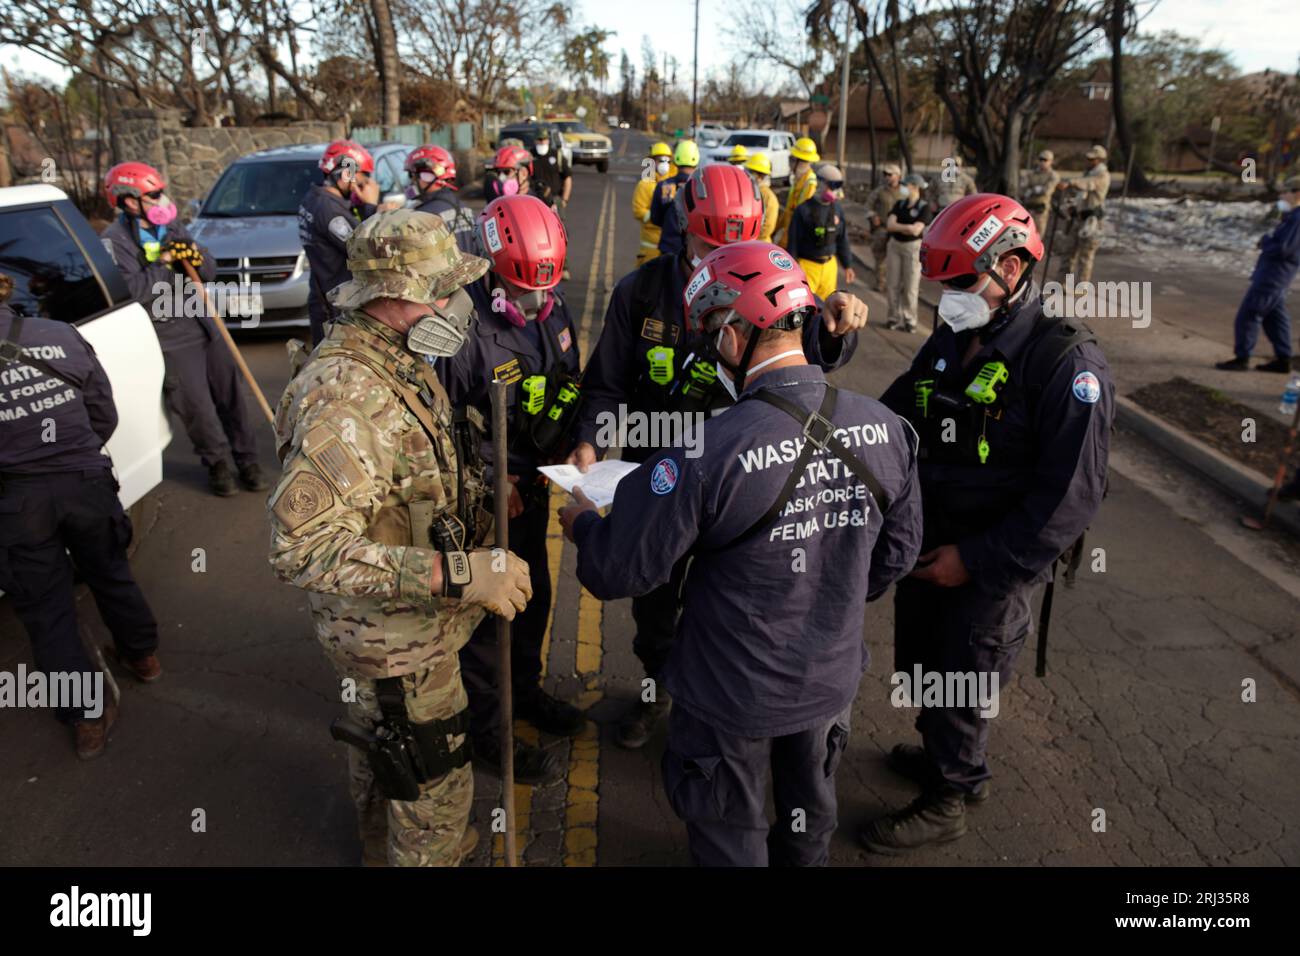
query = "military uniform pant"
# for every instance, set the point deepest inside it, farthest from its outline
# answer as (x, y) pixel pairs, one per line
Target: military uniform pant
(879, 251)
(717, 784)
(1078, 249)
(903, 276)
(1040, 216)
(958, 631)
(822, 276)
(1262, 307)
(427, 831)
(50, 526)
(201, 388)
(478, 658)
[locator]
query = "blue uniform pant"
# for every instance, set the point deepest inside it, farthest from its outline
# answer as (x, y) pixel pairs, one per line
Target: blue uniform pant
(717, 784)
(958, 630)
(201, 388)
(478, 658)
(1269, 310)
(51, 525)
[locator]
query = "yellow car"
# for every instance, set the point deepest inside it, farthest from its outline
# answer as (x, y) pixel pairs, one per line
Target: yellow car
(588, 146)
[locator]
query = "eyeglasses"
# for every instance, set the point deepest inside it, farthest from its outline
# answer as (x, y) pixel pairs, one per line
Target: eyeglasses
(962, 282)
(156, 194)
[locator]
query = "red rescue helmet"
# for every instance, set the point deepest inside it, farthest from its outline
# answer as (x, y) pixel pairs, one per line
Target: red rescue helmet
(435, 159)
(525, 240)
(970, 236)
(131, 179)
(336, 151)
(511, 157)
(721, 203)
(760, 281)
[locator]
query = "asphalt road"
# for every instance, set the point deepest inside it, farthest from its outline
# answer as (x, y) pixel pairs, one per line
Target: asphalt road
(1141, 715)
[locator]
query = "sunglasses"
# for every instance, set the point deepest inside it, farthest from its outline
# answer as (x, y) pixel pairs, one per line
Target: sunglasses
(961, 282)
(156, 194)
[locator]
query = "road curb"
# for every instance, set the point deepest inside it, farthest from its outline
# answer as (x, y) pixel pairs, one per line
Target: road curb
(1236, 478)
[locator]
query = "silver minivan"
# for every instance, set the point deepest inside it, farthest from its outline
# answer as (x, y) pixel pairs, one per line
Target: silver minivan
(249, 222)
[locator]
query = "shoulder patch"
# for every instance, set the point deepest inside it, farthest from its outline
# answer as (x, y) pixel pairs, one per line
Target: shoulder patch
(663, 478)
(340, 228)
(566, 340)
(334, 459)
(304, 498)
(1086, 387)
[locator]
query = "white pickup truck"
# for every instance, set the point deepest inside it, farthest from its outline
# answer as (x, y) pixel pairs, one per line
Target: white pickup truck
(62, 271)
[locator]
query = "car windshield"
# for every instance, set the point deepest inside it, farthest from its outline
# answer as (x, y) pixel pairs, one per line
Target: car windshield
(262, 189)
(571, 126)
(747, 140)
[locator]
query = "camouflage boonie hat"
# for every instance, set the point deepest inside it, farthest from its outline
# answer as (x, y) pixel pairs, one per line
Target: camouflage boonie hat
(404, 254)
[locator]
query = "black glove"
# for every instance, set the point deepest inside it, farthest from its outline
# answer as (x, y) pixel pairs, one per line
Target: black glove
(184, 251)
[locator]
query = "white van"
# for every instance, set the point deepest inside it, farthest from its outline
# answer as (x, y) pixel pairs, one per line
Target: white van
(62, 271)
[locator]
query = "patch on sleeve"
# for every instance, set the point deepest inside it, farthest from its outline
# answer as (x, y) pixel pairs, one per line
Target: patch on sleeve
(108, 244)
(340, 228)
(663, 478)
(304, 498)
(1086, 388)
(335, 460)
(566, 340)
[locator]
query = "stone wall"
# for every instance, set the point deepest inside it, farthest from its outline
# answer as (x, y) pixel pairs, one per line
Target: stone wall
(191, 159)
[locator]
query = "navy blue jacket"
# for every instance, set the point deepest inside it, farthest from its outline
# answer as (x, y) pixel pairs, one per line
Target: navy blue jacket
(496, 348)
(769, 641)
(50, 423)
(458, 217)
(124, 238)
(325, 222)
(1046, 470)
(618, 369)
(663, 213)
(1279, 258)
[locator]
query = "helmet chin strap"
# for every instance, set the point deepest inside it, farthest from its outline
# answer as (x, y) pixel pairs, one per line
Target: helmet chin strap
(738, 372)
(1002, 314)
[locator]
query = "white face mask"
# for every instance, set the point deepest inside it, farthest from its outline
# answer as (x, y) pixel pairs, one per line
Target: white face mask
(1283, 206)
(661, 167)
(543, 148)
(725, 377)
(965, 309)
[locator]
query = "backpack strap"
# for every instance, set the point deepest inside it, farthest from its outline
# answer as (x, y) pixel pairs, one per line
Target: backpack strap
(1054, 339)
(818, 435)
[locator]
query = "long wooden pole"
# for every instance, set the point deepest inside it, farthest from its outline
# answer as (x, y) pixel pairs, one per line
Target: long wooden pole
(220, 323)
(501, 499)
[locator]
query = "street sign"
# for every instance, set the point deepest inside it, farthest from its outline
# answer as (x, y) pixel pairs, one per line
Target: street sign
(819, 98)
(580, 112)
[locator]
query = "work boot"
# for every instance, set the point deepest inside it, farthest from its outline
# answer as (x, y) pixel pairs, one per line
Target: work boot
(1282, 365)
(221, 480)
(146, 669)
(636, 729)
(548, 714)
(936, 816)
(533, 765)
(92, 735)
(1239, 364)
(250, 476)
(910, 761)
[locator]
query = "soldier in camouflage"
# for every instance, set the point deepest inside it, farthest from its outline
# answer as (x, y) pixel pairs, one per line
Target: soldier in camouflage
(1083, 210)
(880, 203)
(950, 184)
(373, 477)
(1040, 187)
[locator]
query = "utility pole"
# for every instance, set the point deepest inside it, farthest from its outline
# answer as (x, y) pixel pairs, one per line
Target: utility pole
(695, 75)
(844, 91)
(663, 95)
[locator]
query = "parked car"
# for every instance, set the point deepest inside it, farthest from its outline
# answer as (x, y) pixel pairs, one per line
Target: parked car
(776, 143)
(62, 270)
(709, 134)
(249, 222)
(589, 147)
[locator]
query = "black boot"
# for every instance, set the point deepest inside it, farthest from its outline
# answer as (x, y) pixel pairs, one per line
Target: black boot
(533, 765)
(250, 476)
(636, 729)
(936, 816)
(1282, 365)
(1239, 364)
(550, 715)
(910, 761)
(221, 480)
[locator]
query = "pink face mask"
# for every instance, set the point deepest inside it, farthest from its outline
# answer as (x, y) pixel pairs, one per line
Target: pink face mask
(510, 187)
(161, 214)
(827, 196)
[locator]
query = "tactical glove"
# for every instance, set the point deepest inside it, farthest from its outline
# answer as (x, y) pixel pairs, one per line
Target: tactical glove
(493, 579)
(183, 251)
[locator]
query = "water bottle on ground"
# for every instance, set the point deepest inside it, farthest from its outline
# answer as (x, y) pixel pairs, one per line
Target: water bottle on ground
(1290, 396)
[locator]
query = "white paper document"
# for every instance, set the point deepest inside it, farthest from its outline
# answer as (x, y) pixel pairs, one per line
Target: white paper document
(598, 483)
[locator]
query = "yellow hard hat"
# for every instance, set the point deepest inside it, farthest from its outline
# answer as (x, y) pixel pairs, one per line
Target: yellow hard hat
(738, 155)
(661, 149)
(759, 163)
(805, 149)
(686, 154)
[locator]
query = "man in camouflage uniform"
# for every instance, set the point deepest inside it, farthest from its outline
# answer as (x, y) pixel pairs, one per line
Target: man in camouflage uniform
(1082, 211)
(1040, 187)
(371, 480)
(950, 184)
(880, 203)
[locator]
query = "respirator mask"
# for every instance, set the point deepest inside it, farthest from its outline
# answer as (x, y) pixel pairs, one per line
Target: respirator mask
(443, 333)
